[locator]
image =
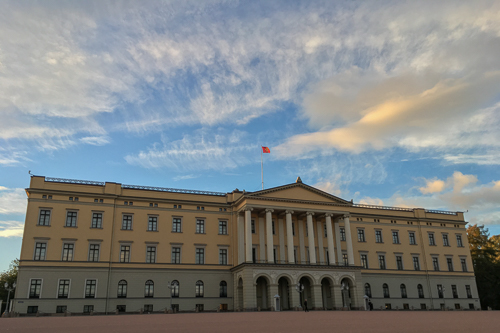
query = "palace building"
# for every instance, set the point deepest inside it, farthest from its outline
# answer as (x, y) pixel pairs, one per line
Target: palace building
(105, 247)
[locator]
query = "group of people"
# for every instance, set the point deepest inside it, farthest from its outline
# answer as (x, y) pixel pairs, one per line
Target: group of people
(370, 305)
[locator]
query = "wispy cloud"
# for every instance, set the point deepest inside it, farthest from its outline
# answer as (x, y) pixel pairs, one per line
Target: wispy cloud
(95, 140)
(12, 201)
(11, 229)
(185, 177)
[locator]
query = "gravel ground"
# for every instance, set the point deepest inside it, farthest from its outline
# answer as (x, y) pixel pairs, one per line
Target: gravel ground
(242, 322)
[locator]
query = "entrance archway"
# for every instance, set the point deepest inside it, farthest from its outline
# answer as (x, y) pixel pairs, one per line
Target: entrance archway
(326, 293)
(262, 294)
(307, 293)
(284, 292)
(347, 289)
(240, 294)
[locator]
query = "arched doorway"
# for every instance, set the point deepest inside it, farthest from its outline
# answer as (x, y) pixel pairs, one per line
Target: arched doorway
(307, 293)
(326, 293)
(346, 288)
(284, 292)
(262, 295)
(240, 294)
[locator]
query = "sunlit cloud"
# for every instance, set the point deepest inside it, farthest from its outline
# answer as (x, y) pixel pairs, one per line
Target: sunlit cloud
(11, 229)
(12, 200)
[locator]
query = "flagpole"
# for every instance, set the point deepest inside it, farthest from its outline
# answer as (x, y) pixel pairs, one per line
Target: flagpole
(262, 167)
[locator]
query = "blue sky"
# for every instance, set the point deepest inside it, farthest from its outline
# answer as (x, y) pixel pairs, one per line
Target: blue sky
(387, 103)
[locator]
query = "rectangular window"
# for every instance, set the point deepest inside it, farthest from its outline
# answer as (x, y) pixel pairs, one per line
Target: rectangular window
(88, 308)
(459, 241)
(325, 230)
(463, 262)
(364, 260)
(449, 261)
(454, 290)
(61, 308)
(151, 254)
(254, 255)
(35, 288)
(445, 240)
(381, 261)
(253, 226)
(412, 238)
(125, 253)
(342, 234)
(90, 287)
(222, 256)
(200, 256)
(361, 235)
(94, 252)
(272, 225)
(222, 227)
(153, 223)
(399, 262)
(176, 255)
(44, 218)
(97, 220)
(40, 251)
(378, 236)
(63, 290)
(67, 254)
(440, 291)
(395, 237)
(71, 219)
(431, 239)
(200, 226)
(435, 263)
(32, 309)
(416, 263)
(345, 259)
(176, 224)
(148, 308)
(274, 255)
(293, 228)
(127, 222)
(468, 291)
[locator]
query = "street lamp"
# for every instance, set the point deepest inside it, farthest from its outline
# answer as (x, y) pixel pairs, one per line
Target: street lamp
(6, 285)
(345, 290)
(300, 288)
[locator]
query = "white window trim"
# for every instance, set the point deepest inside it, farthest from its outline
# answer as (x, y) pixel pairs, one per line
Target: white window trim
(94, 242)
(96, 285)
(131, 223)
(227, 226)
(71, 210)
(123, 243)
(44, 240)
(204, 219)
(204, 254)
(157, 222)
(69, 288)
(50, 219)
(182, 224)
(396, 255)
(74, 249)
(146, 257)
(41, 287)
(102, 218)
(179, 245)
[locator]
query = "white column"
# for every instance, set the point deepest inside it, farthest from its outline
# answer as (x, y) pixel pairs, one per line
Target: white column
(289, 236)
(248, 234)
(319, 234)
(350, 252)
(269, 235)
(339, 244)
(312, 245)
(302, 246)
(262, 240)
(241, 239)
(329, 235)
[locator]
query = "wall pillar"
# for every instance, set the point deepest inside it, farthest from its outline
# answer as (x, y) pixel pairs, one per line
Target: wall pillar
(289, 236)
(337, 297)
(248, 234)
(241, 239)
(329, 234)
(317, 297)
(269, 236)
(350, 252)
(312, 245)
(339, 244)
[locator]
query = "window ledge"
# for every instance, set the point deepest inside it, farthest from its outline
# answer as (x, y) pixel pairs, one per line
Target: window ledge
(96, 228)
(152, 230)
(127, 229)
(43, 225)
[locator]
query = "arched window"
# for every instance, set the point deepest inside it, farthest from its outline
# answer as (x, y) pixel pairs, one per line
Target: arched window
(122, 289)
(403, 291)
(420, 291)
(386, 290)
(199, 288)
(174, 291)
(223, 289)
(149, 288)
(368, 290)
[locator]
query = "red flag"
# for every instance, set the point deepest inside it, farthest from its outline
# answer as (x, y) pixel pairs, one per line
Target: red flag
(266, 150)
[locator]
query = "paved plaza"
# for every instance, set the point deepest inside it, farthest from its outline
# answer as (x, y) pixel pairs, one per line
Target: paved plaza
(314, 321)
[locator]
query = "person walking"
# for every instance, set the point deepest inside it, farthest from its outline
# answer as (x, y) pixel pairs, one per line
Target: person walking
(305, 306)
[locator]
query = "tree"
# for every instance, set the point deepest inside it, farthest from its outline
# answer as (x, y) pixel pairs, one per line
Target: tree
(9, 276)
(485, 254)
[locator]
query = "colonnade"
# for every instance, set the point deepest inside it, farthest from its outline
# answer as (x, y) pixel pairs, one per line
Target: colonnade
(246, 248)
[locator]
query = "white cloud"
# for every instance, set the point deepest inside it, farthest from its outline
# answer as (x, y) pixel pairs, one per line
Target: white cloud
(11, 229)
(13, 201)
(201, 151)
(433, 186)
(95, 140)
(185, 177)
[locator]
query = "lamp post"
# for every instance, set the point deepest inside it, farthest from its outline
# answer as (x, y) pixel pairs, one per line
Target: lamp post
(6, 285)
(170, 287)
(345, 290)
(300, 288)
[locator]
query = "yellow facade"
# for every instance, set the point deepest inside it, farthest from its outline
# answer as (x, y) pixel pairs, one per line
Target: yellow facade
(225, 239)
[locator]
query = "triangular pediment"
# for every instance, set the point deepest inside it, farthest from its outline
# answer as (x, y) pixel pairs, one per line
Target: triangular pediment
(298, 191)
